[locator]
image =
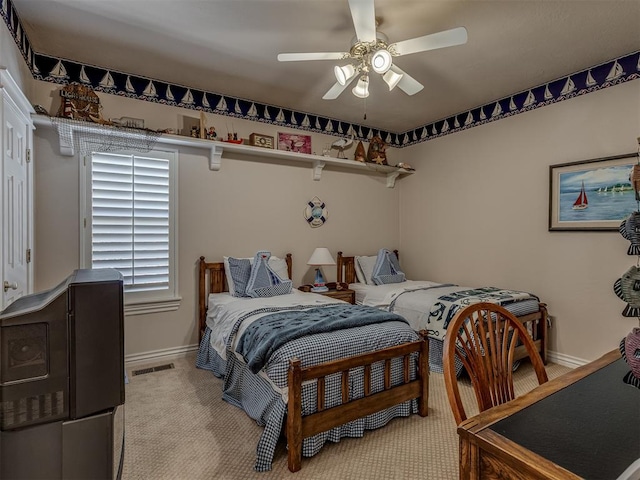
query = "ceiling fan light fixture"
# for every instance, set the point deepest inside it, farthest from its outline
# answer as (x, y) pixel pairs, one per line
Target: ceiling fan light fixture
(381, 61)
(361, 89)
(344, 74)
(392, 79)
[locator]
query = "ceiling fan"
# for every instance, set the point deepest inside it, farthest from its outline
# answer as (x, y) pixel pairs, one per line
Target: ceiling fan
(372, 52)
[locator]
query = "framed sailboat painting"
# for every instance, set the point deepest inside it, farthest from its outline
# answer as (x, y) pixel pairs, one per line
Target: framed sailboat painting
(595, 195)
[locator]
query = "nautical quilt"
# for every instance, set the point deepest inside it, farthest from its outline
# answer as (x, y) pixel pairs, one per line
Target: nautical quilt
(445, 308)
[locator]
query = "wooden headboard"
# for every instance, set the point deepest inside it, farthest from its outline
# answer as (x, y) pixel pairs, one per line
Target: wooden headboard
(212, 279)
(347, 268)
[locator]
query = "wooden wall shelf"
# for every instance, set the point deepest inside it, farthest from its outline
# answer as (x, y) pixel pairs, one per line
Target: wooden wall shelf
(216, 150)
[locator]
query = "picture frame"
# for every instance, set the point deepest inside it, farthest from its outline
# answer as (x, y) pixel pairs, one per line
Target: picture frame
(260, 140)
(294, 142)
(591, 195)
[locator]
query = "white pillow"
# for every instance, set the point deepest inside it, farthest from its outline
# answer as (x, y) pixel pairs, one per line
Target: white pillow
(365, 266)
(359, 274)
(278, 265)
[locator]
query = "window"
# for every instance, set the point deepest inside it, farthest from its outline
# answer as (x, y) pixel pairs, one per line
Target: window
(129, 217)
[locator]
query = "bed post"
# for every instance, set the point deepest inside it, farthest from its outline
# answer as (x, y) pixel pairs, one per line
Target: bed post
(339, 272)
(294, 415)
(201, 297)
(543, 332)
(289, 264)
(423, 371)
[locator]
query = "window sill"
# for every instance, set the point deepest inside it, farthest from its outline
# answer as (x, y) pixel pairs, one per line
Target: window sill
(152, 306)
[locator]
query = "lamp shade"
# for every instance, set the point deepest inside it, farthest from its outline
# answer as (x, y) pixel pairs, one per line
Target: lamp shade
(321, 256)
(381, 61)
(361, 90)
(392, 78)
(344, 74)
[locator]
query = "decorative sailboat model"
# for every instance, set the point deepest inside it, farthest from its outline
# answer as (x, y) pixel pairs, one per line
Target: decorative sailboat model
(581, 202)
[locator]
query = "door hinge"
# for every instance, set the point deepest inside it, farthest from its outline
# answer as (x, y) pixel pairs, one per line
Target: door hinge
(28, 155)
(85, 223)
(28, 255)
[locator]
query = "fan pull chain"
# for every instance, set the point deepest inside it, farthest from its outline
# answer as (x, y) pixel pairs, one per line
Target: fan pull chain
(365, 117)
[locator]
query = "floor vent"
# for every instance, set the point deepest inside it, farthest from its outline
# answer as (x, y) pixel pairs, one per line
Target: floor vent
(159, 368)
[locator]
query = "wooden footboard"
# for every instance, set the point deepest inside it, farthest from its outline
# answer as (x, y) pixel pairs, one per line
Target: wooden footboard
(299, 427)
(536, 322)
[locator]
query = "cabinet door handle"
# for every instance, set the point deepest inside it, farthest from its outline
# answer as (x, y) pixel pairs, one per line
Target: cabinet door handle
(6, 285)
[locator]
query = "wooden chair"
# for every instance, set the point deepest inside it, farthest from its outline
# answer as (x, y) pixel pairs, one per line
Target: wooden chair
(483, 336)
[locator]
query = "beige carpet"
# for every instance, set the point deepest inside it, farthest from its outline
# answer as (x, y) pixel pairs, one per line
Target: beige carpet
(178, 427)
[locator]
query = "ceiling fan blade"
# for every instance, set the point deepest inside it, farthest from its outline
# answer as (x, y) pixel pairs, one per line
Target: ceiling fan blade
(335, 91)
(447, 38)
(407, 83)
(296, 57)
(364, 19)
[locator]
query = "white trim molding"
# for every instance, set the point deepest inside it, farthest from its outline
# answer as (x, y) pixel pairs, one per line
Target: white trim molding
(159, 355)
(565, 360)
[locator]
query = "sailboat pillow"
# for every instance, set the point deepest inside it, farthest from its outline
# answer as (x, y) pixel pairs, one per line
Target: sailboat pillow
(387, 268)
(238, 276)
(264, 281)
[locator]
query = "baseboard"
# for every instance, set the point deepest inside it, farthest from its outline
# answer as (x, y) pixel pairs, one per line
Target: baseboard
(155, 355)
(565, 360)
(177, 352)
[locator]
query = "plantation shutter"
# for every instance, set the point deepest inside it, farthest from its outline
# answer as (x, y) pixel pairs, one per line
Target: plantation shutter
(130, 218)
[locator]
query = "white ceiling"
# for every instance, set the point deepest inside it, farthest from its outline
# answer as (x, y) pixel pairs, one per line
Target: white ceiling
(230, 47)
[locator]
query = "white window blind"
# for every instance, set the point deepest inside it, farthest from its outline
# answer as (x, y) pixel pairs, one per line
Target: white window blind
(130, 218)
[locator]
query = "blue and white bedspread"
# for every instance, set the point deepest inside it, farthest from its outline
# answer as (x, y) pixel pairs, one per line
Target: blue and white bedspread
(267, 334)
(263, 396)
(431, 306)
(447, 305)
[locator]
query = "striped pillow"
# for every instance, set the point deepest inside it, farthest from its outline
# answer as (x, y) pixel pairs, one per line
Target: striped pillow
(240, 270)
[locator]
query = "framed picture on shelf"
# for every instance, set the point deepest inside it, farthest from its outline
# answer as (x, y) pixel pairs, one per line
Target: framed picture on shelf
(592, 195)
(294, 142)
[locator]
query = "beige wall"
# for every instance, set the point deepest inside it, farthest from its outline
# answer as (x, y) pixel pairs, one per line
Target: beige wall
(246, 206)
(476, 212)
(11, 59)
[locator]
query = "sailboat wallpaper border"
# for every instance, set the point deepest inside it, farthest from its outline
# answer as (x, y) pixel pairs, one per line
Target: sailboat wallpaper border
(592, 195)
(63, 71)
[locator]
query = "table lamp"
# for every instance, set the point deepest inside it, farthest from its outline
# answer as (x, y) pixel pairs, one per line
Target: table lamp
(320, 256)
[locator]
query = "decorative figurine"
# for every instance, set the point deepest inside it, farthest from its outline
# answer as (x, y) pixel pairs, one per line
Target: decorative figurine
(360, 155)
(341, 145)
(377, 151)
(211, 133)
(630, 349)
(79, 102)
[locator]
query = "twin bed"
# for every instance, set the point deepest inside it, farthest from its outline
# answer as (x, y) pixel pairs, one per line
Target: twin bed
(328, 384)
(368, 366)
(431, 306)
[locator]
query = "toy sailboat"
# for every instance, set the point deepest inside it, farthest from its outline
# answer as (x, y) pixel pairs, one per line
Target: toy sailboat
(581, 202)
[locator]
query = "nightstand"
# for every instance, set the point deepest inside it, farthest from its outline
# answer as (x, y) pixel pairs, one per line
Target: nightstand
(342, 294)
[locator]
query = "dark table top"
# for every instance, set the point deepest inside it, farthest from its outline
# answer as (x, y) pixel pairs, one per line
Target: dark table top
(591, 428)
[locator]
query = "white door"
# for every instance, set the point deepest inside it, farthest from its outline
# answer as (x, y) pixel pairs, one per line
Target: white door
(15, 218)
